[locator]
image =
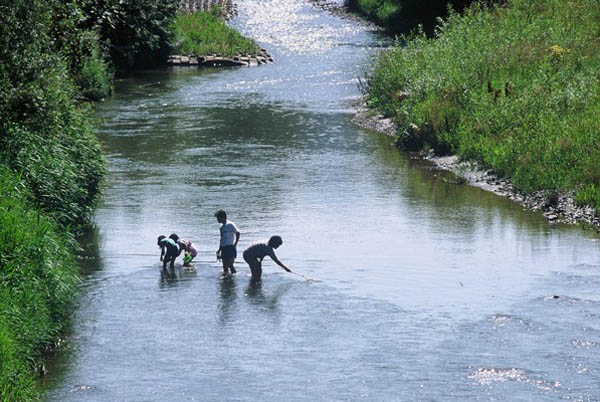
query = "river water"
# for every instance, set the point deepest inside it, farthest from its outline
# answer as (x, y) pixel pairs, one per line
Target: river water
(427, 291)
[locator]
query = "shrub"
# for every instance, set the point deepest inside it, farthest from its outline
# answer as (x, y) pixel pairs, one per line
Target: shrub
(406, 15)
(80, 47)
(137, 32)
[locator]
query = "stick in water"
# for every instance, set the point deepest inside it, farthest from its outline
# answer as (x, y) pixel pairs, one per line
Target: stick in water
(308, 278)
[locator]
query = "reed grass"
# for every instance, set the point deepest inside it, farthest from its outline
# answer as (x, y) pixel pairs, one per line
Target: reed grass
(37, 283)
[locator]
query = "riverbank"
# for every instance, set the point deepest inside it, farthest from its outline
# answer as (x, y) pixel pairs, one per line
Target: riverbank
(494, 88)
(203, 38)
(557, 208)
(51, 168)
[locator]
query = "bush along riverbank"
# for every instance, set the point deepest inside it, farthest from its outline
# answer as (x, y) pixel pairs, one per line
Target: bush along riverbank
(51, 167)
(403, 16)
(203, 38)
(512, 88)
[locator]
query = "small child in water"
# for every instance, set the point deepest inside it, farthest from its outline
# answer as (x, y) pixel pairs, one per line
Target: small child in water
(187, 246)
(169, 250)
(254, 254)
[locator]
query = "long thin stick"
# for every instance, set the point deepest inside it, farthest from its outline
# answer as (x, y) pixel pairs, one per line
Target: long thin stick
(308, 278)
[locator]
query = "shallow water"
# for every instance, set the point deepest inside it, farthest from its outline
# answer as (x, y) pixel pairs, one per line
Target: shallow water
(427, 290)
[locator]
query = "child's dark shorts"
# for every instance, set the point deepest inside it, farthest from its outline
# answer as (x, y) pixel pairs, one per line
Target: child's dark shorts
(228, 252)
(172, 252)
(255, 265)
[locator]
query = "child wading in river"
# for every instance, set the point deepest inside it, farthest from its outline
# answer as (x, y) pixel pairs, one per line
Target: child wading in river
(187, 247)
(255, 253)
(169, 250)
(230, 235)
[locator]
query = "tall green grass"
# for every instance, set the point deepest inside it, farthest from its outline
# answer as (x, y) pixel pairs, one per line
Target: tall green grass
(205, 33)
(51, 166)
(37, 283)
(513, 87)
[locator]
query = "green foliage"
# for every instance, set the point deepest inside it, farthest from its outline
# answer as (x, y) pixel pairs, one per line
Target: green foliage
(203, 33)
(43, 133)
(37, 283)
(136, 31)
(50, 165)
(93, 78)
(405, 15)
(513, 87)
(80, 48)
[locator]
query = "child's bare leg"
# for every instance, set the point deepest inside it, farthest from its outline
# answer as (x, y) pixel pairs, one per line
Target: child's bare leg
(228, 265)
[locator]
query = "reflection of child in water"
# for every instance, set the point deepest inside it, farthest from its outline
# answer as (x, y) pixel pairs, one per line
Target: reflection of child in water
(169, 250)
(186, 246)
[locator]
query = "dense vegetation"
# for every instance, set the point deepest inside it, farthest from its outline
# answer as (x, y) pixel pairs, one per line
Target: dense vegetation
(399, 16)
(50, 171)
(514, 87)
(135, 32)
(37, 282)
(205, 33)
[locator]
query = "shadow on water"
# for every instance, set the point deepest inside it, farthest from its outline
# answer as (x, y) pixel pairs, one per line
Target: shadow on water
(89, 256)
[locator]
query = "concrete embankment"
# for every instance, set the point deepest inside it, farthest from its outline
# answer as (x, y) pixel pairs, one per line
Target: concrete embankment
(216, 60)
(227, 6)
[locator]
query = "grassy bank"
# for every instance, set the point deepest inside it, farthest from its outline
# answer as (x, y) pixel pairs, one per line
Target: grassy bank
(37, 283)
(514, 88)
(205, 33)
(51, 166)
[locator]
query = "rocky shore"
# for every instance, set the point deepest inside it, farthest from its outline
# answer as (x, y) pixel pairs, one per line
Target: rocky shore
(556, 207)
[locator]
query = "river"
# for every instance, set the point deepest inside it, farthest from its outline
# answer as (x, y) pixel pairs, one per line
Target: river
(427, 290)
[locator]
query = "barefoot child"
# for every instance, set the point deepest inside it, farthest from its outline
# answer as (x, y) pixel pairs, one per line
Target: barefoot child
(230, 235)
(255, 253)
(169, 250)
(187, 247)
